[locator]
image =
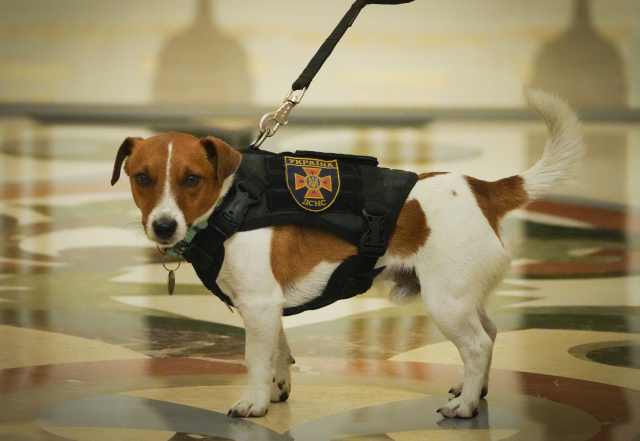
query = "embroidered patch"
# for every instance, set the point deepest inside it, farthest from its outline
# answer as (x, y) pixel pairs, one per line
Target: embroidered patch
(313, 183)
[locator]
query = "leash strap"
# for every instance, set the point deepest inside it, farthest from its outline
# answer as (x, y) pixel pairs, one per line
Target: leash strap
(305, 78)
(270, 122)
(309, 72)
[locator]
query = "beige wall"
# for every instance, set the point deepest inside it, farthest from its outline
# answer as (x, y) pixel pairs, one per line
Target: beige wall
(427, 53)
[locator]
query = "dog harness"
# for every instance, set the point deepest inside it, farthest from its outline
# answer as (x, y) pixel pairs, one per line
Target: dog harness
(349, 196)
(346, 195)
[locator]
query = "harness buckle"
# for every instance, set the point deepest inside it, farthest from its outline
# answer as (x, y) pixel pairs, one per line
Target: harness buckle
(373, 241)
(178, 249)
(234, 214)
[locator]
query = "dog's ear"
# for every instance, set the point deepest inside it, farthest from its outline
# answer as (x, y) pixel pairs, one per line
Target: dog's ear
(223, 157)
(123, 152)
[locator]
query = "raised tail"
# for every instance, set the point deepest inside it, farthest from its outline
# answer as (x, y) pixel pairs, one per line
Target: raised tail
(564, 149)
(560, 159)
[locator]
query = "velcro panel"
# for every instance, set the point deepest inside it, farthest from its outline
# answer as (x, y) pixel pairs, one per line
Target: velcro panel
(278, 196)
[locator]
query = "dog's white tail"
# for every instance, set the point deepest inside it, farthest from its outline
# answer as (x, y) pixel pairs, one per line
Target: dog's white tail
(564, 149)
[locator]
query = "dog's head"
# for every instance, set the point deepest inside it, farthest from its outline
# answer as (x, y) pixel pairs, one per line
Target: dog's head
(176, 180)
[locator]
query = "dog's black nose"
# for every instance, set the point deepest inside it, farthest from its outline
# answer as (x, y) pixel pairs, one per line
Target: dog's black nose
(164, 227)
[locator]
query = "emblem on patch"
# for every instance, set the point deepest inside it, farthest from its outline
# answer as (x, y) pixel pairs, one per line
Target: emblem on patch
(313, 183)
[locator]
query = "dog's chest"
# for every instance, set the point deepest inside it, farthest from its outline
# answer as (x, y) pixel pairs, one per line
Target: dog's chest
(247, 272)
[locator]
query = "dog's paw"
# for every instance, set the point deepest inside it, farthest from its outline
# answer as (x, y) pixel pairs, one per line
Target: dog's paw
(456, 408)
(281, 388)
(248, 408)
(457, 390)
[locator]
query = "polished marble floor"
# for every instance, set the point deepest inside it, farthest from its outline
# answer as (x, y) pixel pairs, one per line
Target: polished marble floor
(92, 347)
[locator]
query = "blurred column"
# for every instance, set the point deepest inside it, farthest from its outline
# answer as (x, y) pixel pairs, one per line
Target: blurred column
(201, 65)
(587, 70)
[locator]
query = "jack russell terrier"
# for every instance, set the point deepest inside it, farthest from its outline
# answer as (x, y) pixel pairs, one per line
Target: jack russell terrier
(445, 249)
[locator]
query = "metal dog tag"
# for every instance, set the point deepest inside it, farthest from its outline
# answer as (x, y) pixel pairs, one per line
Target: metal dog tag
(171, 282)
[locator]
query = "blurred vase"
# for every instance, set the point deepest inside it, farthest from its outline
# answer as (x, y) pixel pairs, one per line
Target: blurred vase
(581, 66)
(201, 65)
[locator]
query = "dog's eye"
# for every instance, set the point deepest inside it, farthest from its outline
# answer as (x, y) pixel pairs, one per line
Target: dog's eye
(192, 180)
(142, 179)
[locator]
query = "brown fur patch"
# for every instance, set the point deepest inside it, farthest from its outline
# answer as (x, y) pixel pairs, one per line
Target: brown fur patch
(496, 199)
(422, 176)
(411, 230)
(406, 280)
(297, 249)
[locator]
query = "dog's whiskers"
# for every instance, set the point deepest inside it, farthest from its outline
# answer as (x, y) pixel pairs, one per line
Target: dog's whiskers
(138, 229)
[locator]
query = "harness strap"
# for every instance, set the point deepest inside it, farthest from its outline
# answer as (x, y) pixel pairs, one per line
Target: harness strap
(355, 274)
(206, 250)
(374, 230)
(352, 277)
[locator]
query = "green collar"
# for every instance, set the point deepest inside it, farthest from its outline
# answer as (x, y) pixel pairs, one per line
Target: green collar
(178, 249)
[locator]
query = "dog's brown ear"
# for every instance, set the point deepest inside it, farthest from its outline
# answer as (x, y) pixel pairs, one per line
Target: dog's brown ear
(123, 152)
(222, 156)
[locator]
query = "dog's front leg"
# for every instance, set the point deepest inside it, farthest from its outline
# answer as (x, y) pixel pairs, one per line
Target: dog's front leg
(263, 324)
(281, 385)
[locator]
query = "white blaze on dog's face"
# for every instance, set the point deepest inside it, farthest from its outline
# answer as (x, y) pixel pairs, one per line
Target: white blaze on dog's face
(176, 180)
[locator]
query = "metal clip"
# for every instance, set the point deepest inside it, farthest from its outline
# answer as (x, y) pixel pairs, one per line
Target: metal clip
(271, 122)
(260, 139)
(291, 96)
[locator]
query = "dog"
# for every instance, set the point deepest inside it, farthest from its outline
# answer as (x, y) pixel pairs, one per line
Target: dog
(446, 248)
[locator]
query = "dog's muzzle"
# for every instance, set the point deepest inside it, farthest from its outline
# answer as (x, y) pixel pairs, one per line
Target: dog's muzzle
(164, 227)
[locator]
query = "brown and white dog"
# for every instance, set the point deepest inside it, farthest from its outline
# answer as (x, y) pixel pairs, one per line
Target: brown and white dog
(446, 247)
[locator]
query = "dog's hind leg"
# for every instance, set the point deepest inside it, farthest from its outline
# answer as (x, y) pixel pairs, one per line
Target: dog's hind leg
(491, 330)
(281, 385)
(456, 315)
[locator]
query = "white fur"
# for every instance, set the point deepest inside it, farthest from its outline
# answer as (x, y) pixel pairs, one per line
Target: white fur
(459, 265)
(564, 148)
(167, 207)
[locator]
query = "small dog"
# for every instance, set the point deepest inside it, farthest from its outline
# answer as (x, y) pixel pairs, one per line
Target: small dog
(446, 247)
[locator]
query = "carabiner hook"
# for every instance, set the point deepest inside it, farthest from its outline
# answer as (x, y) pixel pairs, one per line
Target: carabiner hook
(271, 122)
(267, 121)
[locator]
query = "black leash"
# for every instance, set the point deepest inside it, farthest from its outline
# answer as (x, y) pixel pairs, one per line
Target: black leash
(270, 122)
(369, 227)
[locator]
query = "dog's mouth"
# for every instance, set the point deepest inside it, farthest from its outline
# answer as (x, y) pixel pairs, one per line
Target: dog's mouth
(166, 243)
(162, 242)
(166, 231)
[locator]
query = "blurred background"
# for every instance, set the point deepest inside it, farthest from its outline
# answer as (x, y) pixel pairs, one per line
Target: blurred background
(216, 66)
(76, 77)
(460, 53)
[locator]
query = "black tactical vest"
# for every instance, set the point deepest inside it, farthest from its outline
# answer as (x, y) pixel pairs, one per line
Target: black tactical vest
(349, 196)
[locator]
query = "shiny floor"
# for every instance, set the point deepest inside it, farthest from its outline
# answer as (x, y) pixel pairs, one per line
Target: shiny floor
(92, 347)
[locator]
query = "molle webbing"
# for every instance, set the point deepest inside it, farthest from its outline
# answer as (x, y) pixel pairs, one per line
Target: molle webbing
(344, 217)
